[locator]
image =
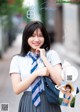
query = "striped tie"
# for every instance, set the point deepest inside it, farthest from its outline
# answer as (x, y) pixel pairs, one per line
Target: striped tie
(36, 85)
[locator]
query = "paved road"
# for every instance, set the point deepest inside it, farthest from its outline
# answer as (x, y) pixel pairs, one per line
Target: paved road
(6, 93)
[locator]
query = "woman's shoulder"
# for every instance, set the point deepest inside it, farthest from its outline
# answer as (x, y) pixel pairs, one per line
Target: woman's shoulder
(51, 52)
(16, 57)
(53, 57)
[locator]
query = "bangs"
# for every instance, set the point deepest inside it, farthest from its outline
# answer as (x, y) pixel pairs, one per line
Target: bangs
(33, 27)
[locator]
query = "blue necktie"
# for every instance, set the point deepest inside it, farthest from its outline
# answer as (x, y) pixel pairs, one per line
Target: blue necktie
(36, 85)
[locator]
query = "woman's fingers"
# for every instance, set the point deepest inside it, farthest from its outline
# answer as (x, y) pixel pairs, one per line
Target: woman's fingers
(41, 51)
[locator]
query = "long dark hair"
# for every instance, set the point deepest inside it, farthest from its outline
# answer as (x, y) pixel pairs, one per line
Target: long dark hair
(28, 31)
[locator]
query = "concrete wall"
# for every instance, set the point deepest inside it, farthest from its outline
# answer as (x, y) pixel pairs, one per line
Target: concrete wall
(71, 28)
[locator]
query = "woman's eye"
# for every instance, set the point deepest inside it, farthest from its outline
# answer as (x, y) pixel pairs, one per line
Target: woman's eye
(40, 35)
(33, 35)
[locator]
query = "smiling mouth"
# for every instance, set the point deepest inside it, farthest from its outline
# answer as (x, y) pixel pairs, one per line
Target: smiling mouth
(36, 44)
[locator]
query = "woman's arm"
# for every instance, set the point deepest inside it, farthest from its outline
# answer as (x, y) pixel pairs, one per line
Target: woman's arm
(19, 86)
(63, 90)
(55, 72)
(70, 100)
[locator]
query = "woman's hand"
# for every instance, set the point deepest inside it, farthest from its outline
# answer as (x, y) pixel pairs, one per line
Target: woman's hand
(42, 53)
(42, 72)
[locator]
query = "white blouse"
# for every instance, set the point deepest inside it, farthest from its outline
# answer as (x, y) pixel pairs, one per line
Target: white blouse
(22, 65)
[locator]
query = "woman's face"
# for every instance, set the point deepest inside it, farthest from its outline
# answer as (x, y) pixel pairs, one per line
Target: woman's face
(36, 40)
(68, 89)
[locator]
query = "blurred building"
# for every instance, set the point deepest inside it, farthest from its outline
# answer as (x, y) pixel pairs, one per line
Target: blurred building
(7, 27)
(63, 24)
(71, 26)
(51, 15)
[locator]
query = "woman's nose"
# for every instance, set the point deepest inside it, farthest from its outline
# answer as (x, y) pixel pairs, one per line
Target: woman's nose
(36, 38)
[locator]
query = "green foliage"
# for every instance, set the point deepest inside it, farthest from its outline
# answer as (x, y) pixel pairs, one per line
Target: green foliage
(8, 9)
(2, 1)
(41, 6)
(25, 14)
(3, 7)
(60, 100)
(72, 104)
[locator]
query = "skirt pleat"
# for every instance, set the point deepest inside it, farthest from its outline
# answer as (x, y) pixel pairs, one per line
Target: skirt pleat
(26, 105)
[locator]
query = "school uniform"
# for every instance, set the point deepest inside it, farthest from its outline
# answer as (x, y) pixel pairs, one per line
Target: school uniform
(22, 66)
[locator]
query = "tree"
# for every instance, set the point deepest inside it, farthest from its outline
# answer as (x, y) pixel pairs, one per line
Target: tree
(7, 8)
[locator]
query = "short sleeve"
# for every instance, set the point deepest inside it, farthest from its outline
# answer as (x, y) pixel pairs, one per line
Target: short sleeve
(54, 57)
(14, 67)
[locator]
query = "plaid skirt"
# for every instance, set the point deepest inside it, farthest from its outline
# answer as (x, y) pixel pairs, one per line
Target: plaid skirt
(26, 105)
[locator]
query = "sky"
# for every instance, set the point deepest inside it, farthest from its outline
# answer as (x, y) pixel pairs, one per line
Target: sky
(29, 2)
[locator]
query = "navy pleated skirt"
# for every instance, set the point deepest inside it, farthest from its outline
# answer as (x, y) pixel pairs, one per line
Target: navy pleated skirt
(26, 105)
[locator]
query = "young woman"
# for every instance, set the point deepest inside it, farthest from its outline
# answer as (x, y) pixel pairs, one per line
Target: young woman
(27, 69)
(67, 95)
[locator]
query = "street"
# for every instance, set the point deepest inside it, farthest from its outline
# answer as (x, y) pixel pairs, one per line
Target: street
(6, 93)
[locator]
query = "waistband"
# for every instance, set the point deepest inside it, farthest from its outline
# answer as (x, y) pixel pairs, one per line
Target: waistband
(30, 93)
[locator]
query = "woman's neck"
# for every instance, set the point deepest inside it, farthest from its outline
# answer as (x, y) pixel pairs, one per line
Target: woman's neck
(33, 51)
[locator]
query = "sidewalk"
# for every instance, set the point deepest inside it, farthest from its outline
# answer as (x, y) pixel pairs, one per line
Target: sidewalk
(67, 54)
(6, 93)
